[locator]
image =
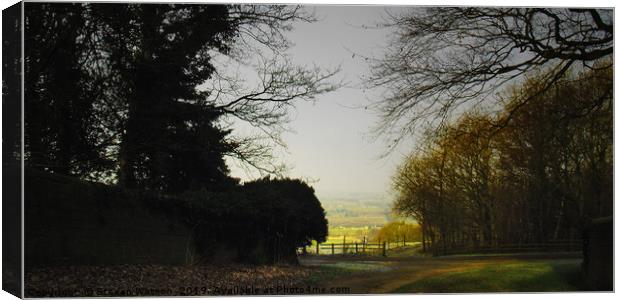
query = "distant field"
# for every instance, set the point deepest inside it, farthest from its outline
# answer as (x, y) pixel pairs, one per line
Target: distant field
(357, 213)
(351, 221)
(350, 234)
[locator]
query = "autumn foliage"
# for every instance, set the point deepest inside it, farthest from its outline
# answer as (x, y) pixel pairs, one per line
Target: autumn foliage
(537, 171)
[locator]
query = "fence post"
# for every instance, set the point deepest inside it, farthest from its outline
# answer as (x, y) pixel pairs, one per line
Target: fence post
(333, 249)
(384, 252)
(355, 247)
(317, 248)
(364, 246)
(404, 243)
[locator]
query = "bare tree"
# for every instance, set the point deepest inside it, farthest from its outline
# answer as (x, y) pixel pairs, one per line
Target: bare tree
(266, 25)
(444, 59)
(263, 93)
(278, 82)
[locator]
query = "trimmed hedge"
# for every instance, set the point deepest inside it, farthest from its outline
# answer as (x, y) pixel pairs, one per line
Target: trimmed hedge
(73, 222)
(263, 221)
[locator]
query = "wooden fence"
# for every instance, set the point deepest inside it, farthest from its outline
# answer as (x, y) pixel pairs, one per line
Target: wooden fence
(382, 248)
(550, 246)
(359, 248)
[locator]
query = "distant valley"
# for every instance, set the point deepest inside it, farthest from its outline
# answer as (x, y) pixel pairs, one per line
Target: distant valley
(357, 212)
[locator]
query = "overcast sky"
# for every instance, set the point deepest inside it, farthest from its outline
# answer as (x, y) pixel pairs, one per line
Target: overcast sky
(331, 144)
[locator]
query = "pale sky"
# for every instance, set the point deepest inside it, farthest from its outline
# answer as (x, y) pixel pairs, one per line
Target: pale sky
(331, 144)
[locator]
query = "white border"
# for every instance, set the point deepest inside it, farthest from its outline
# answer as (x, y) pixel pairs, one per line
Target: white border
(567, 3)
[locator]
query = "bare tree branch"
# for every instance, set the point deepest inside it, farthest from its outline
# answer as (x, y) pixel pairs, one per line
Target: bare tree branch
(263, 93)
(445, 59)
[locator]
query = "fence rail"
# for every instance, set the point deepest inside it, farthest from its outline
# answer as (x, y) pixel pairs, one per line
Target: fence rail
(382, 248)
(353, 248)
(551, 246)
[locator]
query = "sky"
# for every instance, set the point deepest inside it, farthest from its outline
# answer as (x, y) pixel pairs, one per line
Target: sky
(330, 143)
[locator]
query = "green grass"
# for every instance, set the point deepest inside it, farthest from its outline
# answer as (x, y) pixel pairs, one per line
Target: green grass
(514, 277)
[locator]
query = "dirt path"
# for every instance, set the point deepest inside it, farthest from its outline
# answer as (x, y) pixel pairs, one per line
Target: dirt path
(394, 273)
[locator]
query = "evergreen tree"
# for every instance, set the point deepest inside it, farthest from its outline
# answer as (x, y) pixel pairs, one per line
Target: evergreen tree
(59, 113)
(167, 127)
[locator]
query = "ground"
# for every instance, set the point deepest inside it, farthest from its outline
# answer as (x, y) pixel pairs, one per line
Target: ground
(455, 274)
(399, 272)
(162, 280)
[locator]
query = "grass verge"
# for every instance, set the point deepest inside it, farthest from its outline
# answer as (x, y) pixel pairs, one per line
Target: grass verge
(546, 276)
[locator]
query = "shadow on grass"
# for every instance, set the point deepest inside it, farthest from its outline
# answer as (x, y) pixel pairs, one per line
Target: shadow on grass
(328, 272)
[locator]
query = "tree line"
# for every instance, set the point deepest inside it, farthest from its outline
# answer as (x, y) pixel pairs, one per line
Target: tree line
(527, 165)
(536, 171)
